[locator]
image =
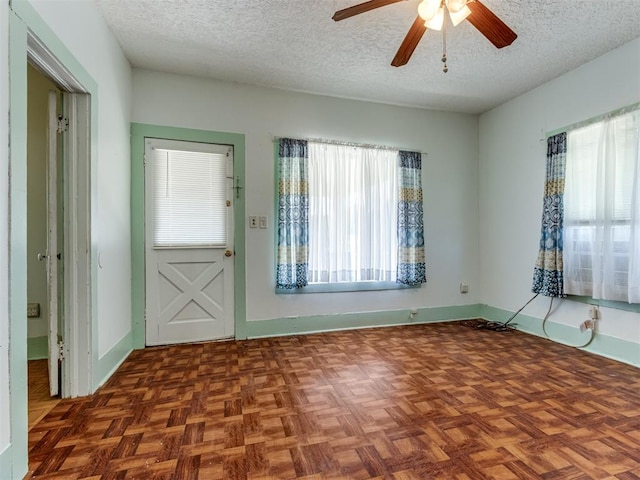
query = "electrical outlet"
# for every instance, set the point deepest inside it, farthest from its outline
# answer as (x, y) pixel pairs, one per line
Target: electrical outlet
(594, 312)
(464, 287)
(263, 222)
(253, 222)
(33, 310)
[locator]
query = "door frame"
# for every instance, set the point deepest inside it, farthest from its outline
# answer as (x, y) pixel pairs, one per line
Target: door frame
(139, 132)
(76, 204)
(24, 22)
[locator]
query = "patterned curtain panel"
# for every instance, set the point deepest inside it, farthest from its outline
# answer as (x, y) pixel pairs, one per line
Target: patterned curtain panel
(547, 277)
(411, 257)
(293, 214)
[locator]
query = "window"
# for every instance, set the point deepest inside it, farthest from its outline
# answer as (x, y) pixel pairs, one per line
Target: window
(353, 194)
(601, 209)
(189, 194)
(348, 214)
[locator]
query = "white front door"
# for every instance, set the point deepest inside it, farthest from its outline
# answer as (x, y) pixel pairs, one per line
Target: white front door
(188, 241)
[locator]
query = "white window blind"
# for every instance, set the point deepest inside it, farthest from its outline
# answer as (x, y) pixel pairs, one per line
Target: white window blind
(189, 198)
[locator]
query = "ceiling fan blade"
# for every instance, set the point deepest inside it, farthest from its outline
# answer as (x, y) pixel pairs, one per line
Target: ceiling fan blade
(409, 43)
(362, 8)
(496, 31)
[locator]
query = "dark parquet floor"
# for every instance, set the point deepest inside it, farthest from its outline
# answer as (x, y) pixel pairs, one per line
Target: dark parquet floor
(436, 401)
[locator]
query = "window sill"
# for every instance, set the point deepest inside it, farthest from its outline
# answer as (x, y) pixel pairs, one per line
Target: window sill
(345, 287)
(629, 307)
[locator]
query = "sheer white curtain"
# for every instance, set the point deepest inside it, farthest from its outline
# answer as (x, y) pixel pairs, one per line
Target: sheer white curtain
(353, 202)
(601, 210)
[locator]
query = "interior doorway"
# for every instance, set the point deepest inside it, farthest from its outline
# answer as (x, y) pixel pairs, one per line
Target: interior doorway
(59, 242)
(45, 242)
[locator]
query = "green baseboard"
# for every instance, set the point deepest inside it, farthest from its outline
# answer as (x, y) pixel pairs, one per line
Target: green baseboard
(8, 470)
(324, 323)
(37, 348)
(603, 345)
(6, 463)
(110, 361)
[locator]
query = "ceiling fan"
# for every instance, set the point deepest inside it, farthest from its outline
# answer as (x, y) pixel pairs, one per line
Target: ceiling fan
(431, 14)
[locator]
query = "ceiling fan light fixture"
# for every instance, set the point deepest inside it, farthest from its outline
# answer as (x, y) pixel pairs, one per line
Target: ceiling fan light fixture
(460, 15)
(427, 9)
(454, 6)
(437, 21)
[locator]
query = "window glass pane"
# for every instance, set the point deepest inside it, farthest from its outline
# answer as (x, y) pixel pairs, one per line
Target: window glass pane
(353, 202)
(582, 172)
(600, 186)
(625, 132)
(189, 198)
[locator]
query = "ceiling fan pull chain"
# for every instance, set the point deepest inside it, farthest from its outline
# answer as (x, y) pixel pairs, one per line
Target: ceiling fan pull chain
(445, 68)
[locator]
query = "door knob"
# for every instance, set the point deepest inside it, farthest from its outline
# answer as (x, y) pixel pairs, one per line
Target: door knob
(41, 257)
(228, 253)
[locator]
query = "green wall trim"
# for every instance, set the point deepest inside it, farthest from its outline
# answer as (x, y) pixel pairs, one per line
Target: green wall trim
(627, 307)
(603, 345)
(6, 464)
(37, 348)
(28, 16)
(43, 32)
(139, 132)
(18, 244)
(323, 323)
(110, 361)
(22, 20)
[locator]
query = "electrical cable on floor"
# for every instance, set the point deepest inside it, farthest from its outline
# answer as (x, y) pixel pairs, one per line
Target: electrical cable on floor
(504, 327)
(497, 326)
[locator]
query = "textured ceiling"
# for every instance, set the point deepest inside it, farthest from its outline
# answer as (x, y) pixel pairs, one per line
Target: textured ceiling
(294, 45)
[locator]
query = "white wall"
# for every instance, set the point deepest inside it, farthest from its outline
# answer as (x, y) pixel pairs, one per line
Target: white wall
(512, 172)
(83, 31)
(450, 178)
(5, 431)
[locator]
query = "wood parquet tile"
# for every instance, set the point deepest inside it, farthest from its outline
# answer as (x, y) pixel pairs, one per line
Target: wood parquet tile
(436, 401)
(40, 401)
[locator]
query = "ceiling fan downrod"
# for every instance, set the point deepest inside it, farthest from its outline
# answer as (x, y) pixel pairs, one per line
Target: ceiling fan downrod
(445, 68)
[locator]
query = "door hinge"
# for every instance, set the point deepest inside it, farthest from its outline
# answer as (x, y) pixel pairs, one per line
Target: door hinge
(63, 124)
(60, 350)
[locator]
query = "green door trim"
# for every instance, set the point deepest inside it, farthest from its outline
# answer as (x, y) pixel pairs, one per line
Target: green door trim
(139, 132)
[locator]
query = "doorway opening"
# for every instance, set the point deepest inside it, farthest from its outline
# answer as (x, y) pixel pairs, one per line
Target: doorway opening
(59, 280)
(44, 220)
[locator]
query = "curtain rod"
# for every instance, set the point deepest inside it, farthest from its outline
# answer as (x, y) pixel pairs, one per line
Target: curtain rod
(597, 118)
(350, 144)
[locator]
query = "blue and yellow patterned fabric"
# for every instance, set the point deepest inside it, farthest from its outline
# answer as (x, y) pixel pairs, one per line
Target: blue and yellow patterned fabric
(293, 214)
(411, 256)
(548, 277)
